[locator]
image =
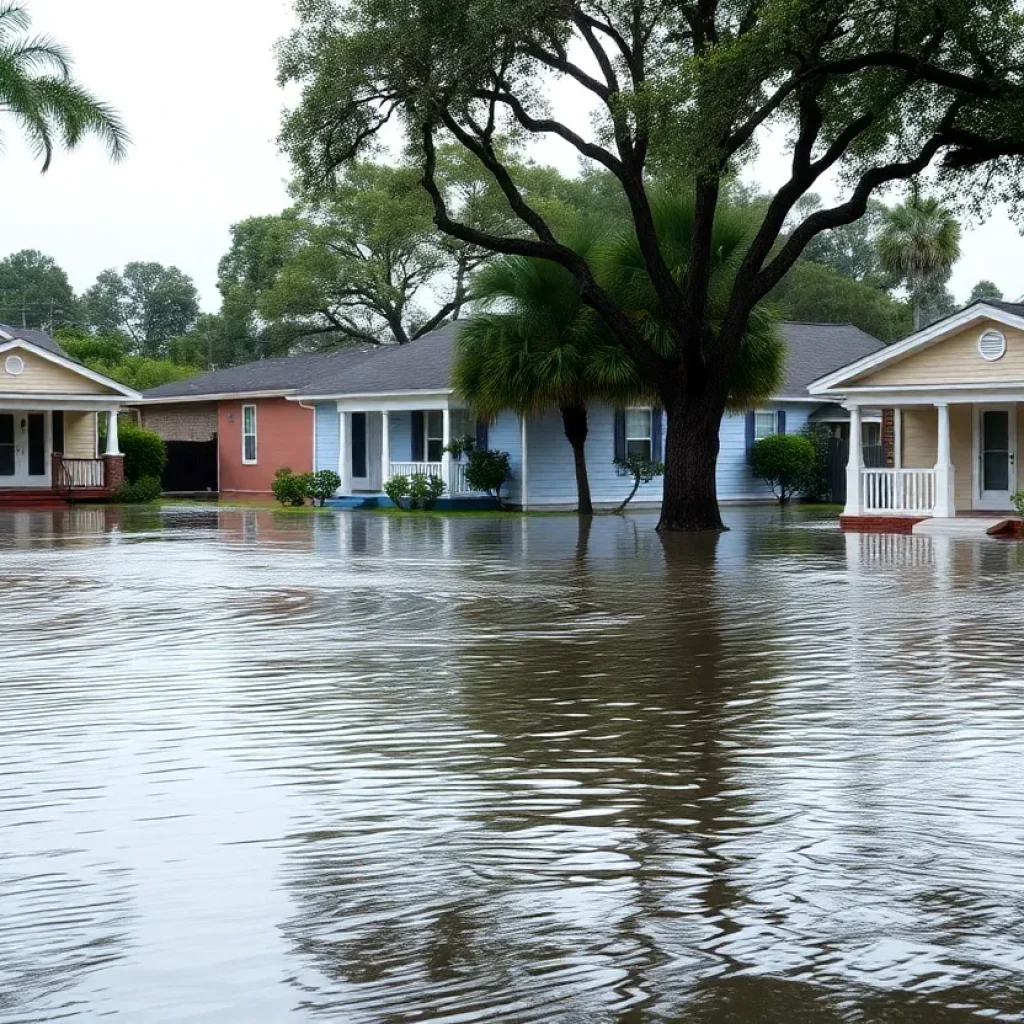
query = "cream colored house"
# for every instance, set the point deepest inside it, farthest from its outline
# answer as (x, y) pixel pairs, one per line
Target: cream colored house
(957, 391)
(49, 413)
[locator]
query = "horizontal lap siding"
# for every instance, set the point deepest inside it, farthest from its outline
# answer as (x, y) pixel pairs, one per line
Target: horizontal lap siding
(80, 435)
(505, 435)
(552, 478)
(327, 436)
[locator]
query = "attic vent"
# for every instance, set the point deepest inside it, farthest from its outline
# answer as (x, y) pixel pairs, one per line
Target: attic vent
(992, 345)
(14, 365)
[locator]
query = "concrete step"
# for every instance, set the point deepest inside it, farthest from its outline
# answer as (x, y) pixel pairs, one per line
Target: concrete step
(963, 526)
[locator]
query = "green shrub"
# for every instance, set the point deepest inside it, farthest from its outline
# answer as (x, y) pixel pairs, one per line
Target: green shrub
(145, 453)
(424, 490)
(146, 488)
(641, 469)
(291, 488)
(488, 471)
(1018, 502)
(397, 489)
(323, 484)
(816, 486)
(783, 461)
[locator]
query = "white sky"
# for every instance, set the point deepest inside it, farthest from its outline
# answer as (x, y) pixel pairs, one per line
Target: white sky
(195, 82)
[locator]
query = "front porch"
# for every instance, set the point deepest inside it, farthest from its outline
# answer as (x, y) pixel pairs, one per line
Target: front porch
(945, 458)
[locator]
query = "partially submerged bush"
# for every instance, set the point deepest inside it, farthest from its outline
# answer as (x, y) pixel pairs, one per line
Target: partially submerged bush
(488, 471)
(397, 489)
(1018, 502)
(291, 488)
(420, 491)
(323, 484)
(784, 462)
(146, 488)
(145, 453)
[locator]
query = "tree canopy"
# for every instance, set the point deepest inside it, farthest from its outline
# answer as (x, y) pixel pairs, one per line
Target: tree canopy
(35, 292)
(985, 290)
(875, 95)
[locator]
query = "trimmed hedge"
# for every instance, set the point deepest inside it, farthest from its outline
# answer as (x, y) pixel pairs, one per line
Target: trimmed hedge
(145, 453)
(146, 488)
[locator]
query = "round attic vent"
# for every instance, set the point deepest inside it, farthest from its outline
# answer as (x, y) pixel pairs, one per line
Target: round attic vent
(992, 345)
(14, 365)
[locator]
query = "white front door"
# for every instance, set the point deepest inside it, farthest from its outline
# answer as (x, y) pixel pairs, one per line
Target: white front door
(24, 449)
(365, 440)
(995, 464)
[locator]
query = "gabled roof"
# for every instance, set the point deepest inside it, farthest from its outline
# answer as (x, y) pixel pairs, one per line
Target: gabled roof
(38, 338)
(281, 376)
(814, 349)
(1011, 314)
(58, 358)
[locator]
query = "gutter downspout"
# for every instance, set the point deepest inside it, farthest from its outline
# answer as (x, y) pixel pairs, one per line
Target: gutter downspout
(312, 409)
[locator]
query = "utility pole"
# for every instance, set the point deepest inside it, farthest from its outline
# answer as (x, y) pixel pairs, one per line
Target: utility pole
(24, 311)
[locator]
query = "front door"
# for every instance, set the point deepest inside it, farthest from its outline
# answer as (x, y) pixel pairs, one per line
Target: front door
(24, 460)
(996, 465)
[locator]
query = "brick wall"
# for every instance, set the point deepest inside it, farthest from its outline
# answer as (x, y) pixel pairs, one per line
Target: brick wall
(879, 524)
(191, 421)
(889, 436)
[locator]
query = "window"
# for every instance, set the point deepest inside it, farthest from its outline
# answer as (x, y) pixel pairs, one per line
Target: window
(433, 429)
(765, 424)
(871, 433)
(463, 424)
(248, 434)
(638, 432)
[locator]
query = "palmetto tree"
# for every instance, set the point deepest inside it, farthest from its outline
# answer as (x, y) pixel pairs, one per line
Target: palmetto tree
(533, 344)
(37, 90)
(918, 245)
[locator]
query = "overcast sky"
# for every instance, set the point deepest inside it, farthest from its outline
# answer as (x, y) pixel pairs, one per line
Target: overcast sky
(195, 82)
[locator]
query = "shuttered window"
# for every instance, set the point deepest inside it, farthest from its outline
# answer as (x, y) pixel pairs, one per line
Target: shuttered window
(765, 425)
(638, 431)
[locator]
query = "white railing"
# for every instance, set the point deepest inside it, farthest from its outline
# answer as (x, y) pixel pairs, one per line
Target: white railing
(412, 468)
(82, 473)
(458, 483)
(898, 490)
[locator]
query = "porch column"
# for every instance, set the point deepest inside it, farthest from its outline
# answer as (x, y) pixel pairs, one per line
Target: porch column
(897, 438)
(446, 459)
(344, 458)
(945, 500)
(385, 447)
(853, 465)
(112, 447)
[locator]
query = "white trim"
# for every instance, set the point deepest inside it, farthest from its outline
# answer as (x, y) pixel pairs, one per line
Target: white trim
(404, 403)
(970, 395)
(524, 481)
(60, 400)
(996, 336)
(977, 480)
(70, 364)
(254, 435)
(356, 396)
(220, 396)
(930, 335)
(36, 402)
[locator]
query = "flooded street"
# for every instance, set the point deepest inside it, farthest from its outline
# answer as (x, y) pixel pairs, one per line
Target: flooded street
(344, 767)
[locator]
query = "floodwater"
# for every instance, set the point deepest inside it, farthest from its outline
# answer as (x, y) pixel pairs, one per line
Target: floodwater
(340, 767)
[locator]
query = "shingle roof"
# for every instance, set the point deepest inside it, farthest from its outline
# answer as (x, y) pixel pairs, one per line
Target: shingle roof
(1016, 308)
(815, 350)
(38, 338)
(285, 373)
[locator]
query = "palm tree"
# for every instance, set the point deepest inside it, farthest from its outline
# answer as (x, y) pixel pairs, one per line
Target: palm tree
(37, 90)
(918, 245)
(533, 344)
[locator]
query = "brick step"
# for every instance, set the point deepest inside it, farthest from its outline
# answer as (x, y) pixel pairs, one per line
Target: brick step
(28, 498)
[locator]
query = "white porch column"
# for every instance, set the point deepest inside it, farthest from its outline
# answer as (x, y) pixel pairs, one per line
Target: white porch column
(344, 446)
(945, 500)
(385, 447)
(112, 447)
(446, 459)
(897, 438)
(853, 465)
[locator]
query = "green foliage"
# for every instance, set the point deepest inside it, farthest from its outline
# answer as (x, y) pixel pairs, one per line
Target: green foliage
(460, 446)
(419, 491)
(35, 291)
(37, 90)
(984, 290)
(323, 484)
(397, 489)
(816, 484)
(146, 488)
(291, 488)
(783, 461)
(641, 469)
(818, 294)
(148, 304)
(145, 453)
(1017, 500)
(488, 471)
(107, 355)
(850, 250)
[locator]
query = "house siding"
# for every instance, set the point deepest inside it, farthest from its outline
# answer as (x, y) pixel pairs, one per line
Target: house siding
(284, 437)
(505, 434)
(328, 436)
(189, 421)
(552, 479)
(80, 435)
(41, 377)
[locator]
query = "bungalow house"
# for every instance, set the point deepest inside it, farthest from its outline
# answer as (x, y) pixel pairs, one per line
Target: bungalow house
(396, 412)
(229, 430)
(956, 391)
(50, 407)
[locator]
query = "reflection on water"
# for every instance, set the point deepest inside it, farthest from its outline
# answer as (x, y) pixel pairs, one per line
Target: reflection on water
(350, 768)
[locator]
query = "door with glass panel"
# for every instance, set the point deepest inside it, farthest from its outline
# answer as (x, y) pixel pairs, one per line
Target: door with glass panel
(23, 454)
(996, 465)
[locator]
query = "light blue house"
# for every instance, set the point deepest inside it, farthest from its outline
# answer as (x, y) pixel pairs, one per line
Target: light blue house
(394, 414)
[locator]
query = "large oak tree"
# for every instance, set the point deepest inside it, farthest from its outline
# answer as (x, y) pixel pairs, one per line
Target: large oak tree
(874, 93)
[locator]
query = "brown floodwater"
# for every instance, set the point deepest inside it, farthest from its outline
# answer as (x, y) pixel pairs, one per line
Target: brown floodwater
(341, 767)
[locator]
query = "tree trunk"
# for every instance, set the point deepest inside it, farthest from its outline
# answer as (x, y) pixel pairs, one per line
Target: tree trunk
(690, 496)
(574, 422)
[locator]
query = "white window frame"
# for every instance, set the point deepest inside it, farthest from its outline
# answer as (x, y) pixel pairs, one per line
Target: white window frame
(648, 438)
(254, 435)
(428, 437)
(775, 424)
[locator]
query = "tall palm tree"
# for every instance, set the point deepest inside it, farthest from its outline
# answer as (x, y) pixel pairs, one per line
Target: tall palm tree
(918, 245)
(37, 90)
(533, 344)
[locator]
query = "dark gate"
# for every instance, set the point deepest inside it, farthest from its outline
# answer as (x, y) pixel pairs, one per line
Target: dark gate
(838, 456)
(191, 466)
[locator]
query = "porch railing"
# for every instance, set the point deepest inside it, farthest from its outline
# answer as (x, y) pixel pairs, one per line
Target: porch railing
(412, 468)
(456, 483)
(898, 490)
(82, 473)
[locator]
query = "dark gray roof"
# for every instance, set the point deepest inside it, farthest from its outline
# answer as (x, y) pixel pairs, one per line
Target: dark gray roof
(286, 373)
(39, 338)
(1016, 308)
(815, 350)
(421, 365)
